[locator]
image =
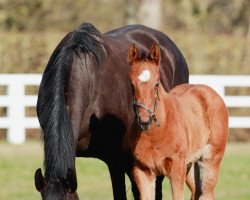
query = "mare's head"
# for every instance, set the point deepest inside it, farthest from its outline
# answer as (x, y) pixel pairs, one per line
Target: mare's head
(58, 189)
(145, 78)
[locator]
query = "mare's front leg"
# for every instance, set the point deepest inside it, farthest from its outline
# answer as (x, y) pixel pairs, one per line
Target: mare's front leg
(117, 175)
(177, 178)
(145, 181)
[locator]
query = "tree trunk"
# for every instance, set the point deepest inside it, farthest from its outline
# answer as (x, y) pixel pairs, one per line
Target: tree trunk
(246, 51)
(130, 15)
(150, 13)
(146, 12)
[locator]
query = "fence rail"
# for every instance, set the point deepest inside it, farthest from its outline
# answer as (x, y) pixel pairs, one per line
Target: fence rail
(220, 83)
(15, 100)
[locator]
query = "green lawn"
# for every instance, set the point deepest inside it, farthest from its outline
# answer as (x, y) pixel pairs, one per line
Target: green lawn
(18, 164)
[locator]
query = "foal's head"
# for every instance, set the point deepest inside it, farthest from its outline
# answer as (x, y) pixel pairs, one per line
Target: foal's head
(63, 189)
(145, 77)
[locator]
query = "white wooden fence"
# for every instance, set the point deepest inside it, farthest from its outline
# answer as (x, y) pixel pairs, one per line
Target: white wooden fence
(15, 100)
(220, 83)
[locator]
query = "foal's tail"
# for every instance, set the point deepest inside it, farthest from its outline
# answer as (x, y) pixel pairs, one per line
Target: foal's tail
(59, 147)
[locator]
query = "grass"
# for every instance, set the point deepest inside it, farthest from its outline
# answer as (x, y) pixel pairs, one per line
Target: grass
(18, 164)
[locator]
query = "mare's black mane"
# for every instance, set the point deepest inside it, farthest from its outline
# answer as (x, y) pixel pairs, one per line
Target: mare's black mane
(51, 107)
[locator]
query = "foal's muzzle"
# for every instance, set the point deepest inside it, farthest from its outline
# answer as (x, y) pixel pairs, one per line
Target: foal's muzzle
(145, 125)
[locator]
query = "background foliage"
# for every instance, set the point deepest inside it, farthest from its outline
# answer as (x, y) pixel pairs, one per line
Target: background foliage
(214, 35)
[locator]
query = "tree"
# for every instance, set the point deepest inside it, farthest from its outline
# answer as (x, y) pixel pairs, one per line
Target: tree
(146, 12)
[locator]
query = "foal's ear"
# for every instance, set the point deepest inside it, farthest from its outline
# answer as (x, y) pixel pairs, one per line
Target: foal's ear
(39, 180)
(133, 54)
(155, 54)
(71, 181)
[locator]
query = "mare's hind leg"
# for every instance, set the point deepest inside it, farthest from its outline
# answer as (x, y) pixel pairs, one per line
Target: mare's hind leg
(158, 188)
(193, 180)
(209, 165)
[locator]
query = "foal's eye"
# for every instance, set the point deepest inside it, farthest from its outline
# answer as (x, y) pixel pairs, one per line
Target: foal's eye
(157, 85)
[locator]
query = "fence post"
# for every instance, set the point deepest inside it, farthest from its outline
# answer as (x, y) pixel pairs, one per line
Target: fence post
(16, 112)
(220, 89)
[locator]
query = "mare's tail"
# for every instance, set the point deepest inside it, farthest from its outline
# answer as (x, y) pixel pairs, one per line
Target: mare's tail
(58, 137)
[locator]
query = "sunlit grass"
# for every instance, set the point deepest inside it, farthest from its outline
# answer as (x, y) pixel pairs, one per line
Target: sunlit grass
(18, 165)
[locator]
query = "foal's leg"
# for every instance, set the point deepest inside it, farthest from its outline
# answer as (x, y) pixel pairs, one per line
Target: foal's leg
(145, 181)
(209, 165)
(158, 188)
(177, 179)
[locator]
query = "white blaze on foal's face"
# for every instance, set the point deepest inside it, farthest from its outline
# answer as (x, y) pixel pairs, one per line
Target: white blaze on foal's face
(144, 76)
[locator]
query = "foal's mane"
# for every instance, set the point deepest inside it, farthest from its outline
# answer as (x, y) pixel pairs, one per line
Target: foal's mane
(52, 113)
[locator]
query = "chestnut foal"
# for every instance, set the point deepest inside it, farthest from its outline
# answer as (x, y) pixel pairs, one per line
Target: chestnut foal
(182, 134)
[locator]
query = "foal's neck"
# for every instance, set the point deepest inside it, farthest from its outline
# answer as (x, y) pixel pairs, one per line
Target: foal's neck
(162, 93)
(163, 104)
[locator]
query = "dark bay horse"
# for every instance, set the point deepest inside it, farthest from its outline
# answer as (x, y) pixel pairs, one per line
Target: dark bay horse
(182, 133)
(84, 104)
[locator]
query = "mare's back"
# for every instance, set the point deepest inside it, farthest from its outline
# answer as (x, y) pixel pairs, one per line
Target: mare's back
(174, 69)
